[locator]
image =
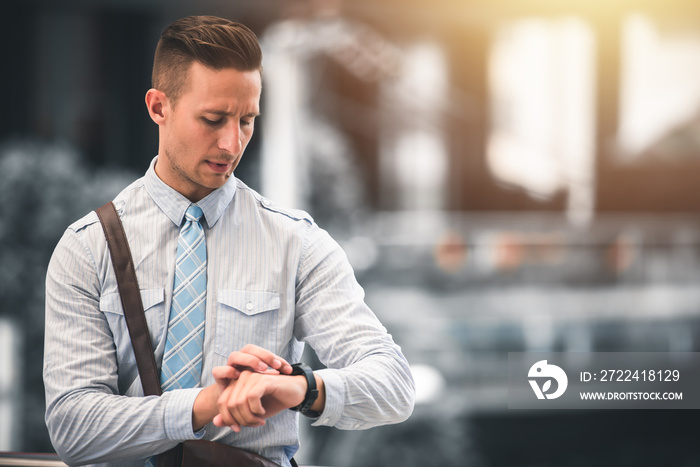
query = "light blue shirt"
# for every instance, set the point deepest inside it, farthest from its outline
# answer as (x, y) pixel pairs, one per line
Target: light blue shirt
(274, 279)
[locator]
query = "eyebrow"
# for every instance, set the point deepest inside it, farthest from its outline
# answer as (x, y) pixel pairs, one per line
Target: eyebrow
(223, 113)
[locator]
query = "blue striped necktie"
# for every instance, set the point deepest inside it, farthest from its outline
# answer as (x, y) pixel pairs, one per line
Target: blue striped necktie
(182, 360)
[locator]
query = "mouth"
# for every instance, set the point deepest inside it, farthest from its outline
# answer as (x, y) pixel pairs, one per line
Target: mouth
(220, 167)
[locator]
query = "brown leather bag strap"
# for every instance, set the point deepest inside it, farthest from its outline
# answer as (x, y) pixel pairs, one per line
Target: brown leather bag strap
(130, 297)
(133, 312)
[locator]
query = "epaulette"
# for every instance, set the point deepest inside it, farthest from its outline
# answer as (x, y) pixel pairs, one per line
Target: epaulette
(295, 214)
(91, 217)
(80, 224)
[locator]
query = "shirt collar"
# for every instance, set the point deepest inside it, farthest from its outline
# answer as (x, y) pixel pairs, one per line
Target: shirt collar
(174, 204)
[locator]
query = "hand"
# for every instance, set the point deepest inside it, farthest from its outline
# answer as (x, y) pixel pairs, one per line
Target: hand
(251, 358)
(253, 397)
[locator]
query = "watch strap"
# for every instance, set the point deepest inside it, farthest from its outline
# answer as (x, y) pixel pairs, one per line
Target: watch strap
(311, 390)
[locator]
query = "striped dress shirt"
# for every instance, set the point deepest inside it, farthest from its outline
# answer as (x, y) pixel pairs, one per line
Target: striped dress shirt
(274, 279)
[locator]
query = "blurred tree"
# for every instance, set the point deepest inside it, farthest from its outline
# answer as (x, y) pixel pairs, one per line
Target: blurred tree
(43, 188)
(335, 187)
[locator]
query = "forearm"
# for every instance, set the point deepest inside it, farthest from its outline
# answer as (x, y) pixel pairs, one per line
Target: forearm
(89, 426)
(205, 409)
(88, 420)
(95, 411)
(368, 381)
(375, 391)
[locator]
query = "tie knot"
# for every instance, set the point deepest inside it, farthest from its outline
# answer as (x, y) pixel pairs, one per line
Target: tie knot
(194, 213)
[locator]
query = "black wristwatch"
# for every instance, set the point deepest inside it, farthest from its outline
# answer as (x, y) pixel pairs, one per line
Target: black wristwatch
(311, 391)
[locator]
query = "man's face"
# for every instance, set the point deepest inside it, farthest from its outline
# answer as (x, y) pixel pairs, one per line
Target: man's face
(202, 138)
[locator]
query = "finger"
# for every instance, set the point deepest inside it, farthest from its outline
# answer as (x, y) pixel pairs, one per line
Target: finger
(241, 369)
(255, 404)
(219, 421)
(252, 391)
(223, 372)
(227, 419)
(223, 375)
(270, 359)
(245, 361)
(239, 403)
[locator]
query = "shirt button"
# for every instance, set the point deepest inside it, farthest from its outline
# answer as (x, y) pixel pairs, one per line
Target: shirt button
(249, 306)
(265, 201)
(326, 420)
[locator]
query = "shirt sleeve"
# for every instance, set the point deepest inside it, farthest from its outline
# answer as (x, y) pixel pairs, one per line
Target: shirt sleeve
(87, 419)
(368, 381)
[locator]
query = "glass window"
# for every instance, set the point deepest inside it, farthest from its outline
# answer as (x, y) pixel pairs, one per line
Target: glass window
(541, 76)
(413, 148)
(660, 90)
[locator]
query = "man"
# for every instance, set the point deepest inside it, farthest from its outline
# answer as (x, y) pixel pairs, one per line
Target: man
(271, 280)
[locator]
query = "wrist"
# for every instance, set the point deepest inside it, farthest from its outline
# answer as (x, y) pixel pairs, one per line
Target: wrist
(312, 392)
(320, 404)
(205, 409)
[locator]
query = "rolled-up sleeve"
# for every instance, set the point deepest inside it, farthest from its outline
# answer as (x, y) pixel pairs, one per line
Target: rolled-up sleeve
(368, 381)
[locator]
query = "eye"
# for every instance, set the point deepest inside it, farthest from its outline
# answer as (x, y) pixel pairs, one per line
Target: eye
(247, 122)
(213, 123)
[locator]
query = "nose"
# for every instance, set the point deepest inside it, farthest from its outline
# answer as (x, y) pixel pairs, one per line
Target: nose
(230, 138)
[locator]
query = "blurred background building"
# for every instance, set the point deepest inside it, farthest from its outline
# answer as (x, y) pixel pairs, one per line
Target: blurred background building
(504, 175)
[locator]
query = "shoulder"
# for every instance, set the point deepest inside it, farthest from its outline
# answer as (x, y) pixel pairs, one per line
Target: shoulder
(84, 222)
(270, 209)
(126, 196)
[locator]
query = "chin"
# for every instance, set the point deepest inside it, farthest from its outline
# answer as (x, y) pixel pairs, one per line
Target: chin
(219, 182)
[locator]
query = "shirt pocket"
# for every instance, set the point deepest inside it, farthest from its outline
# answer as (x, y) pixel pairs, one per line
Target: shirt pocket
(153, 306)
(246, 317)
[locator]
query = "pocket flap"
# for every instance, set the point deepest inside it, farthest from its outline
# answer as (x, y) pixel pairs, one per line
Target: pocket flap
(112, 302)
(249, 302)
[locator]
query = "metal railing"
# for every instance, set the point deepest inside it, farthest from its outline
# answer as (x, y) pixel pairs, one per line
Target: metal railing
(18, 459)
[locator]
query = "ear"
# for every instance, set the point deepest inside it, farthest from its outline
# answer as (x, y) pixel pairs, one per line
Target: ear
(158, 105)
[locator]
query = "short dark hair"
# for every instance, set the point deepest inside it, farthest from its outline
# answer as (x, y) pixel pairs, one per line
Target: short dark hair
(215, 42)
